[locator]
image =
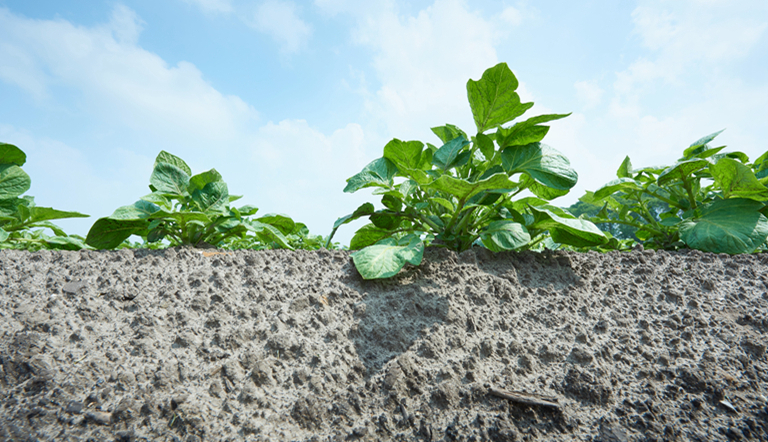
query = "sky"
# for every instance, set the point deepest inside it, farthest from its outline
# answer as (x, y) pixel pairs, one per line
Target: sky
(288, 99)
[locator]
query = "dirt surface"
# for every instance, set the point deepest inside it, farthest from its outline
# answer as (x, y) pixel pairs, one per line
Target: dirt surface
(180, 345)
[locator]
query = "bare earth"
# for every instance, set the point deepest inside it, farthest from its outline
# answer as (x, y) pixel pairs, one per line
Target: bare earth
(177, 345)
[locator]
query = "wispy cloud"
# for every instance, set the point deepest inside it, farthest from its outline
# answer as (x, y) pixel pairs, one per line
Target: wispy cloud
(212, 6)
(279, 19)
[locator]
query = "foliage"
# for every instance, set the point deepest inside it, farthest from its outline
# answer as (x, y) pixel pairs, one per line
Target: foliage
(191, 210)
(19, 214)
(707, 200)
(461, 194)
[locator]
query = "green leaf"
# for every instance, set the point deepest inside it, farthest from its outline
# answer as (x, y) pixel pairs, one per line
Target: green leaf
(180, 217)
(700, 145)
(448, 132)
(544, 164)
(167, 178)
(139, 210)
(46, 213)
(13, 181)
(65, 243)
(625, 170)
(367, 235)
(681, 170)
(200, 180)
(404, 154)
(485, 143)
(727, 226)
(504, 235)
(3, 235)
(283, 223)
(393, 201)
(214, 197)
(448, 155)
(248, 210)
(621, 184)
(165, 157)
(378, 173)
(526, 132)
(444, 202)
(385, 258)
(463, 189)
(108, 233)
(737, 180)
(387, 221)
(268, 233)
(572, 231)
(493, 98)
(364, 210)
(10, 154)
(541, 190)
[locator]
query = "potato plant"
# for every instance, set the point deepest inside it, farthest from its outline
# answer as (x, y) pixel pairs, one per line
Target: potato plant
(462, 194)
(189, 210)
(19, 216)
(707, 200)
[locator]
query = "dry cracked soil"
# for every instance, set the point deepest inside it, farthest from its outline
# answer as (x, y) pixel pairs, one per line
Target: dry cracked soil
(188, 345)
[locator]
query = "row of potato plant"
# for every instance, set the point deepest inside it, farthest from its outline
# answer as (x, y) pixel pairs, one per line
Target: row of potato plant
(468, 192)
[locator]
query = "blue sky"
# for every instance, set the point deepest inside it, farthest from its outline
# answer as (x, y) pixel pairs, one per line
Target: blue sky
(287, 99)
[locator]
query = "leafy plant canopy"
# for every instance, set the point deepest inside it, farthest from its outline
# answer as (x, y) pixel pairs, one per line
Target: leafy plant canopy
(194, 210)
(707, 200)
(19, 215)
(462, 193)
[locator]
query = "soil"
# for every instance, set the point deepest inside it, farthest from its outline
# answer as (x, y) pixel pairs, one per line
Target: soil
(189, 345)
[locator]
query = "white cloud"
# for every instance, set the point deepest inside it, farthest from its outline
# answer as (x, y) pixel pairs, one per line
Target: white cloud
(512, 16)
(212, 6)
(423, 65)
(279, 20)
(119, 81)
(589, 92)
(138, 105)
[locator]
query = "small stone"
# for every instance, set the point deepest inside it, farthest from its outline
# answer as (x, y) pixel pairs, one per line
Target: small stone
(99, 417)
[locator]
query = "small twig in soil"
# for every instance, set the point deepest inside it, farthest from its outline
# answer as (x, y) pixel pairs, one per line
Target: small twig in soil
(524, 398)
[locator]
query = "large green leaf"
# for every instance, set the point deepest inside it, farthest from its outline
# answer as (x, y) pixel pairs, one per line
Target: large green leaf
(737, 180)
(168, 158)
(504, 235)
(108, 233)
(564, 230)
(10, 154)
(700, 146)
(621, 184)
(404, 154)
(544, 164)
(139, 210)
(213, 197)
(13, 181)
(46, 213)
(269, 233)
(463, 189)
(449, 155)
(364, 210)
(526, 132)
(448, 132)
(283, 223)
(200, 180)
(378, 173)
(727, 226)
(368, 235)
(625, 170)
(3, 235)
(681, 170)
(65, 243)
(167, 178)
(385, 258)
(493, 98)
